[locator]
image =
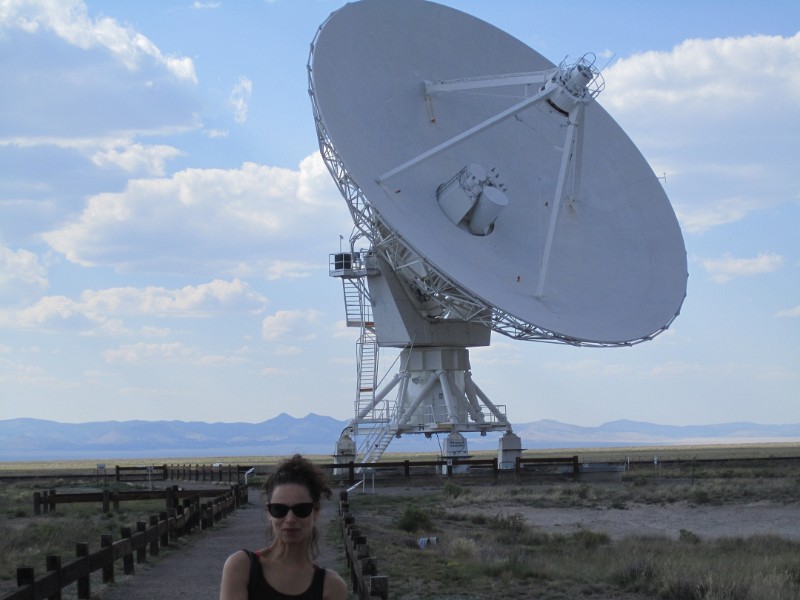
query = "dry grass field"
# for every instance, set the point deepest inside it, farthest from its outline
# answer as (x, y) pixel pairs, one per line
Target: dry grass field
(684, 528)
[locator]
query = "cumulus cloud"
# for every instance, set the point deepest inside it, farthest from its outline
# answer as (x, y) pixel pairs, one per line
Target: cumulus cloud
(70, 21)
(714, 114)
(136, 158)
(21, 267)
(701, 74)
(102, 308)
(727, 268)
(297, 323)
(202, 219)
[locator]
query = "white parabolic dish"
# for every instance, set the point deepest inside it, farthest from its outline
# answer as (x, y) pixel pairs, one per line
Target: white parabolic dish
(617, 269)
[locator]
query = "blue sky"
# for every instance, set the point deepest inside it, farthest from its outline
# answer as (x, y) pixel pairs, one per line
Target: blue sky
(165, 219)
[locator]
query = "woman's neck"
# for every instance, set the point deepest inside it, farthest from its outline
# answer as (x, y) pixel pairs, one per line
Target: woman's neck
(296, 554)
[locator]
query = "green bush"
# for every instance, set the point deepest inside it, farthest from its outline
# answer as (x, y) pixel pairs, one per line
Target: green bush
(414, 519)
(453, 490)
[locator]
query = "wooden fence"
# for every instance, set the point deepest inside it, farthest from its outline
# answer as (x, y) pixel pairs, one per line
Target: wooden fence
(45, 502)
(539, 466)
(133, 546)
(147, 473)
(363, 568)
(450, 467)
(207, 473)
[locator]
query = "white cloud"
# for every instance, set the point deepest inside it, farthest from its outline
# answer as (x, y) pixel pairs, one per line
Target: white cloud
(727, 268)
(150, 353)
(103, 307)
(21, 267)
(790, 312)
(168, 352)
(205, 5)
(287, 269)
(136, 158)
(203, 219)
(239, 99)
(716, 115)
(723, 74)
(69, 20)
(284, 323)
(288, 350)
(697, 219)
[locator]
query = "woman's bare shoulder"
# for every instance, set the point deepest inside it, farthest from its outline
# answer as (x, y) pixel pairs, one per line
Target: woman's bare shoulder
(335, 587)
(235, 574)
(237, 560)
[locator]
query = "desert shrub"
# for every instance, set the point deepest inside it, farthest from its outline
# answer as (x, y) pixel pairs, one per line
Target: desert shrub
(414, 519)
(453, 490)
(463, 548)
(515, 523)
(634, 574)
(688, 537)
(700, 496)
(591, 539)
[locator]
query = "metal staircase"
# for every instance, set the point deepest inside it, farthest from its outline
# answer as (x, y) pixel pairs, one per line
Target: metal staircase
(372, 428)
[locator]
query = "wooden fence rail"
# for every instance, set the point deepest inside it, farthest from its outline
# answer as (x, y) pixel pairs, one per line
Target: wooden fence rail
(364, 576)
(44, 502)
(133, 546)
(450, 467)
(546, 464)
(203, 473)
(146, 473)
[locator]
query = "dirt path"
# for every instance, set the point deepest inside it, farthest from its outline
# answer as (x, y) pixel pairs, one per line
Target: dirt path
(194, 570)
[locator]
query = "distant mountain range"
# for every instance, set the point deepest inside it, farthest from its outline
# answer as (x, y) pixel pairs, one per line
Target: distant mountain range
(36, 439)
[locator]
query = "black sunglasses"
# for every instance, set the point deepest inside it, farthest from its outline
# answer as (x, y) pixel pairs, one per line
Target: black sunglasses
(301, 511)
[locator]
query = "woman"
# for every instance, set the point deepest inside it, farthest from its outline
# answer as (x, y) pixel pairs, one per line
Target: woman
(286, 568)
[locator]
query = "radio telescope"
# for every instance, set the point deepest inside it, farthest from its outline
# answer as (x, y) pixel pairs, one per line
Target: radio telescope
(490, 192)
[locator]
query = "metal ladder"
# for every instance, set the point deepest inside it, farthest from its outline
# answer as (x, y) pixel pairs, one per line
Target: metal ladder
(373, 423)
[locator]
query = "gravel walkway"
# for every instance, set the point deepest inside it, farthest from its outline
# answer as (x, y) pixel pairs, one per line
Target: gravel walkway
(194, 569)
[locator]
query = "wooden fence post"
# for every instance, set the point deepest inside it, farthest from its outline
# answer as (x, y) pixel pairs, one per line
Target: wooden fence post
(106, 501)
(84, 583)
(141, 553)
(169, 495)
(127, 558)
(379, 586)
(53, 563)
(25, 577)
(163, 516)
(106, 541)
(174, 531)
(208, 514)
(153, 533)
(37, 503)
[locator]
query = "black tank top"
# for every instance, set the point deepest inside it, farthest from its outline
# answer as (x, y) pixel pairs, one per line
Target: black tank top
(259, 589)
